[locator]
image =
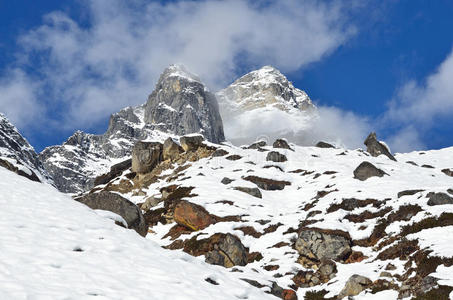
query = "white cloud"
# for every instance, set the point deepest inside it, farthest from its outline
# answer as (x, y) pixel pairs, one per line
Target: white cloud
(90, 71)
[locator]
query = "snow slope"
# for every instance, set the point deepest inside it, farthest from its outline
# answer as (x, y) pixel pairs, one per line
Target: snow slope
(313, 172)
(55, 248)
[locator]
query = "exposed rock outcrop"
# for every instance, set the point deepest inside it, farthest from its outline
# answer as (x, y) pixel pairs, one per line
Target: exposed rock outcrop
(320, 245)
(376, 148)
(367, 170)
(276, 157)
(145, 156)
(118, 205)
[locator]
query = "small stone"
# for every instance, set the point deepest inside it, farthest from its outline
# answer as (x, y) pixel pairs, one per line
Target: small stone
(226, 180)
(255, 192)
(276, 157)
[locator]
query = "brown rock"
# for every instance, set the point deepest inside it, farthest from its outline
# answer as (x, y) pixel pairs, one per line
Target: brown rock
(145, 156)
(171, 150)
(192, 216)
(191, 142)
(288, 294)
(267, 184)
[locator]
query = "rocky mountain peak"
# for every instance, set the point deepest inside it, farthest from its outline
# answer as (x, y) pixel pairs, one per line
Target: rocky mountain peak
(266, 87)
(182, 104)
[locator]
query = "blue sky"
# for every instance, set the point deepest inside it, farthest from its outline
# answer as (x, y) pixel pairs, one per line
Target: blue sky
(66, 65)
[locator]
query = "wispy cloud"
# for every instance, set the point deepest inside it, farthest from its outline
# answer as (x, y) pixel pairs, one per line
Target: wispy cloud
(86, 71)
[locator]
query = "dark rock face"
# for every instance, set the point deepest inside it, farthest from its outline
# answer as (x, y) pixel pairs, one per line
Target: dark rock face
(276, 157)
(367, 170)
(9, 166)
(448, 172)
(183, 105)
(324, 145)
(119, 205)
(267, 184)
(17, 152)
(439, 199)
(228, 252)
(145, 156)
(115, 171)
(191, 142)
(171, 149)
(255, 192)
(281, 143)
(227, 180)
(318, 245)
(376, 148)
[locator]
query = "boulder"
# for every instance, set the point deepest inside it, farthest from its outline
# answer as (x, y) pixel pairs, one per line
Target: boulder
(439, 199)
(321, 245)
(376, 148)
(276, 157)
(192, 216)
(257, 145)
(226, 180)
(255, 192)
(228, 252)
(267, 184)
(115, 171)
(171, 149)
(118, 205)
(324, 145)
(448, 172)
(191, 142)
(219, 152)
(145, 156)
(281, 143)
(354, 286)
(366, 170)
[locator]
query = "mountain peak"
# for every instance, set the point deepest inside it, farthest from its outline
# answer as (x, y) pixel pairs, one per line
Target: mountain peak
(180, 71)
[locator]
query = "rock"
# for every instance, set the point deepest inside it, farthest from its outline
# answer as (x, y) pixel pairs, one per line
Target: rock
(115, 171)
(228, 252)
(150, 202)
(145, 156)
(219, 152)
(366, 170)
(191, 142)
(439, 199)
(408, 193)
(255, 192)
(323, 245)
(24, 171)
(448, 172)
(192, 216)
(118, 205)
(276, 157)
(376, 148)
(257, 145)
(288, 294)
(233, 157)
(324, 145)
(267, 184)
(171, 149)
(281, 143)
(354, 286)
(227, 180)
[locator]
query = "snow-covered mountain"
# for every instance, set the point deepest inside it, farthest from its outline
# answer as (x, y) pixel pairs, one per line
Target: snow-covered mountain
(18, 155)
(264, 103)
(180, 104)
(325, 222)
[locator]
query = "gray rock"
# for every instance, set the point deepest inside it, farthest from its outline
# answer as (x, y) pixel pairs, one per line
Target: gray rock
(448, 172)
(191, 142)
(281, 143)
(439, 199)
(376, 148)
(115, 171)
(317, 245)
(324, 145)
(219, 152)
(181, 104)
(171, 149)
(354, 286)
(267, 184)
(145, 156)
(276, 157)
(257, 145)
(119, 205)
(255, 192)
(226, 180)
(229, 252)
(367, 170)
(408, 193)
(151, 202)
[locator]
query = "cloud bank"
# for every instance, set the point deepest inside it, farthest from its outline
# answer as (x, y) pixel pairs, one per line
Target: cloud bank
(72, 74)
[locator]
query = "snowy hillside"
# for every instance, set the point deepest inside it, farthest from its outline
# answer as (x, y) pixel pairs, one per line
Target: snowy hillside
(56, 248)
(394, 230)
